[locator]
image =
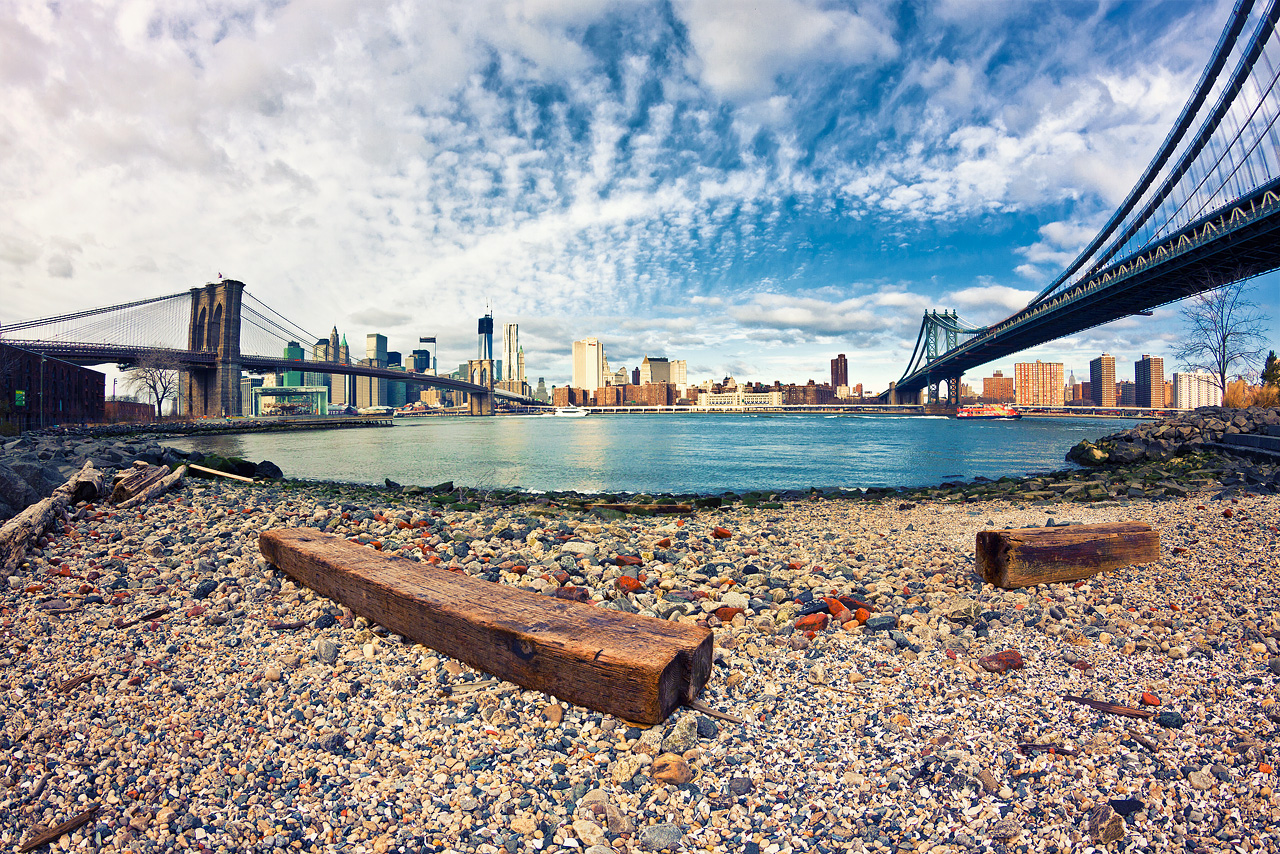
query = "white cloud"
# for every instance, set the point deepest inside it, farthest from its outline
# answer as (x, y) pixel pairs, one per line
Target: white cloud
(742, 49)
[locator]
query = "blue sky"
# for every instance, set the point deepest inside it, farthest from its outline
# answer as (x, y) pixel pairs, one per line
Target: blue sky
(752, 187)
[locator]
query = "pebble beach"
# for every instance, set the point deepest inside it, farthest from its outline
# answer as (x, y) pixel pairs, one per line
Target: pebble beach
(156, 666)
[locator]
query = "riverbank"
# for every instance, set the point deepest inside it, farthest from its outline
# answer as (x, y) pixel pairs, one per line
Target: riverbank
(244, 713)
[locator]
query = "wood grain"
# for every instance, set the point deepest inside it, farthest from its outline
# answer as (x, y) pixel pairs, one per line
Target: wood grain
(637, 668)
(1023, 557)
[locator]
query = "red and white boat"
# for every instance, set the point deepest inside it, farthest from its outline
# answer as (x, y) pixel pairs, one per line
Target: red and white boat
(989, 411)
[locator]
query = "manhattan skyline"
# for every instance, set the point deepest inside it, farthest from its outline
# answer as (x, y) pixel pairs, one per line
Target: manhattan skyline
(752, 192)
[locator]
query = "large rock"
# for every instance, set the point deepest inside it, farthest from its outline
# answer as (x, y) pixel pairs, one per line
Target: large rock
(16, 494)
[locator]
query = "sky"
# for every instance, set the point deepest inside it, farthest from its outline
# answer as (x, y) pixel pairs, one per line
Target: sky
(753, 187)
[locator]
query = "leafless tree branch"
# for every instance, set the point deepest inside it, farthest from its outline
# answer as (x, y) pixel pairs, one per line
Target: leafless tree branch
(1225, 332)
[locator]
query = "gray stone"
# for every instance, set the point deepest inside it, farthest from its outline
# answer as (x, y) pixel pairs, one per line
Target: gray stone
(660, 837)
(684, 736)
(326, 650)
(1105, 825)
(882, 623)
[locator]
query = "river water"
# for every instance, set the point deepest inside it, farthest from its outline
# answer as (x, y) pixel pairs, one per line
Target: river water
(700, 453)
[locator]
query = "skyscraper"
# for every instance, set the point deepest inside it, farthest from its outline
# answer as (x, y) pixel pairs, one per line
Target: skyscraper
(485, 329)
(839, 371)
(1038, 383)
(1102, 380)
(588, 364)
(511, 361)
(1148, 376)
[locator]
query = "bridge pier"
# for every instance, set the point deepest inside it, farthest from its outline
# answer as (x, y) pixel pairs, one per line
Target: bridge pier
(480, 372)
(214, 392)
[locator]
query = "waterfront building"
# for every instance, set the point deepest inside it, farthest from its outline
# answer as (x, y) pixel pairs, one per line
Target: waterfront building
(1038, 383)
(740, 399)
(1148, 375)
(41, 391)
(1194, 390)
(247, 385)
(1102, 380)
(997, 388)
(840, 373)
(680, 375)
(588, 364)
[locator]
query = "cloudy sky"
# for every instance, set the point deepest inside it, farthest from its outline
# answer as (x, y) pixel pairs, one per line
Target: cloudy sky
(751, 185)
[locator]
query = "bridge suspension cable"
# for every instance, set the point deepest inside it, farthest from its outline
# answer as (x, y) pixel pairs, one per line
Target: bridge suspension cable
(155, 322)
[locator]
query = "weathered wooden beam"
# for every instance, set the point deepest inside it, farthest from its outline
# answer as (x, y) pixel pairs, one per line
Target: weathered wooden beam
(17, 534)
(638, 668)
(1023, 557)
(137, 482)
(156, 487)
(227, 474)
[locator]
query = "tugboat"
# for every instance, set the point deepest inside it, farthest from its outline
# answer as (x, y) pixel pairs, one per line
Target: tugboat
(989, 411)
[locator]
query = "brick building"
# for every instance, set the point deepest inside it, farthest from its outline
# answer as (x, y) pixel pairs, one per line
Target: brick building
(38, 391)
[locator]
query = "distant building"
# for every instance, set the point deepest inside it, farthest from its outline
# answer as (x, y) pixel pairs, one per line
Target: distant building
(512, 363)
(1038, 383)
(293, 352)
(485, 330)
(1194, 390)
(1126, 394)
(840, 372)
(588, 364)
(1148, 375)
(1102, 380)
(541, 392)
(372, 391)
(420, 361)
(654, 370)
(739, 398)
(997, 388)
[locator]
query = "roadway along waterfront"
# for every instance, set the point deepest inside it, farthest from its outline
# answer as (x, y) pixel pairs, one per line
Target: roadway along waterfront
(669, 453)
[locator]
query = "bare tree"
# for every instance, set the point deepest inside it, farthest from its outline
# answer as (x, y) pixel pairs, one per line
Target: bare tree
(1225, 333)
(154, 376)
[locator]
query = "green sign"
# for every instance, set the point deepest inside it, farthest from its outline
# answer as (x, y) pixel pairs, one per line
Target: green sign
(20, 398)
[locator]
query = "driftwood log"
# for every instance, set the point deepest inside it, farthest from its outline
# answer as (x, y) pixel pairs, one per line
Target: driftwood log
(638, 668)
(17, 535)
(136, 482)
(156, 487)
(1024, 557)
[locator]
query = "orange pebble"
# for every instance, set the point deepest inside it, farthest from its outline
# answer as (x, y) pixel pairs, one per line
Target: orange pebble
(862, 615)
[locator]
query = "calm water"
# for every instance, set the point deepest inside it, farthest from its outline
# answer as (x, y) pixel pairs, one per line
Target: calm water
(670, 453)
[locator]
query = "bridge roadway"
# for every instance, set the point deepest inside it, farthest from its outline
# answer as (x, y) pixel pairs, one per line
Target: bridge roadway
(98, 354)
(1215, 249)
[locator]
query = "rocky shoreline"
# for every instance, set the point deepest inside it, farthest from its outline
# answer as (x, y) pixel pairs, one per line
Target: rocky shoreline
(157, 667)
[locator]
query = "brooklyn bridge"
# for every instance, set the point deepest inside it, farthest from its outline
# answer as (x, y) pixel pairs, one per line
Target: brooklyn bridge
(228, 332)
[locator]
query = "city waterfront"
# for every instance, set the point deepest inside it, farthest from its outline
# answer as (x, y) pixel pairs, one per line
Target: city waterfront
(670, 453)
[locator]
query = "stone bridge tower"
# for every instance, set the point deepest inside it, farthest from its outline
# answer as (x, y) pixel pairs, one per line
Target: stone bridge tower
(480, 372)
(214, 391)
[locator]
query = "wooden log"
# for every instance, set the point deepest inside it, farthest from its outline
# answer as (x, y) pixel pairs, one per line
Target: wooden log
(17, 534)
(137, 482)
(89, 484)
(1023, 557)
(158, 487)
(638, 668)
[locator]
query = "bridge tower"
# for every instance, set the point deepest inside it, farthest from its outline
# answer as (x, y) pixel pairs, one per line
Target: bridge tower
(214, 391)
(480, 372)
